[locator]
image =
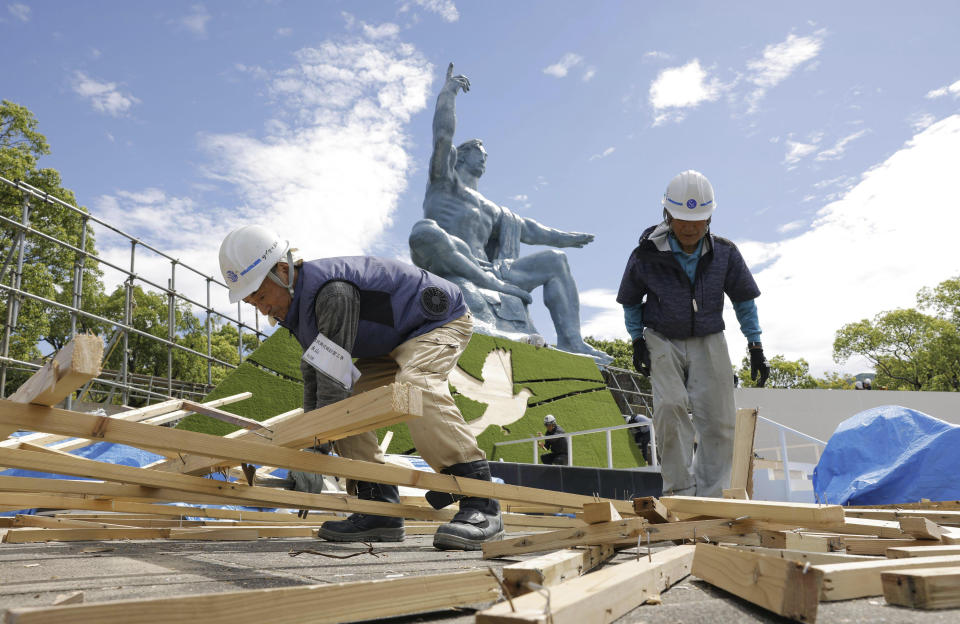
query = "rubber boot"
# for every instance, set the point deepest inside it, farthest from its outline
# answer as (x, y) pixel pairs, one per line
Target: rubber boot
(360, 527)
(478, 520)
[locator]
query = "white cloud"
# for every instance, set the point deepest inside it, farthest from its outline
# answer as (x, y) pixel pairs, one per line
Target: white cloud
(104, 96)
(381, 31)
(562, 67)
(678, 88)
(953, 89)
(520, 198)
(863, 254)
(284, 32)
(607, 324)
(19, 11)
(797, 151)
(921, 121)
(603, 154)
(589, 73)
(196, 20)
(778, 61)
(836, 152)
(446, 9)
(789, 227)
(655, 55)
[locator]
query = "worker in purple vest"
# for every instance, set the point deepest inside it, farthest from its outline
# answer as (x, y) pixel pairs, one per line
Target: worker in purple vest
(402, 324)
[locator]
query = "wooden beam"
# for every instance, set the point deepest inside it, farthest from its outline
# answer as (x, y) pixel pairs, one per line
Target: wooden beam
(879, 547)
(938, 516)
(219, 534)
(380, 407)
(27, 536)
(218, 414)
(845, 581)
(53, 420)
(742, 467)
(736, 493)
(802, 556)
(921, 528)
(601, 596)
(554, 568)
(238, 491)
(46, 522)
(622, 533)
(905, 552)
(652, 509)
(74, 365)
(794, 540)
(889, 529)
(936, 588)
(797, 514)
(781, 586)
(302, 604)
(594, 513)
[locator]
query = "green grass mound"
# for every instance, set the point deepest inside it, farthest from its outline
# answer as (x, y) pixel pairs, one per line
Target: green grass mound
(529, 363)
(280, 353)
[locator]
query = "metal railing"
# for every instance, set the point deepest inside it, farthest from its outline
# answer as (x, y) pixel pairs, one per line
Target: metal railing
(569, 435)
(124, 379)
(623, 385)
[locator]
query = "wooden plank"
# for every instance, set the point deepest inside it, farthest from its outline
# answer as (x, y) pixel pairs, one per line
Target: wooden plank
(926, 588)
(778, 585)
(59, 421)
(231, 419)
(74, 365)
(845, 581)
(26, 536)
(736, 493)
(803, 556)
(554, 568)
(594, 513)
(219, 534)
(742, 467)
(601, 596)
(62, 523)
(923, 504)
(622, 532)
(303, 604)
(936, 550)
(380, 407)
(921, 528)
(793, 540)
(237, 491)
(933, 515)
(865, 526)
(879, 547)
(797, 514)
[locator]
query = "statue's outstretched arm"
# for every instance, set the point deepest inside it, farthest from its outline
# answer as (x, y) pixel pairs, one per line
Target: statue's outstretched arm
(534, 233)
(444, 125)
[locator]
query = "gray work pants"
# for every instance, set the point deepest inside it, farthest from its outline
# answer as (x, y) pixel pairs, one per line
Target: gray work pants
(695, 375)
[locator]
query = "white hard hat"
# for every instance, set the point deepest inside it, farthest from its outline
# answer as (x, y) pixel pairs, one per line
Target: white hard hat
(689, 197)
(549, 419)
(246, 256)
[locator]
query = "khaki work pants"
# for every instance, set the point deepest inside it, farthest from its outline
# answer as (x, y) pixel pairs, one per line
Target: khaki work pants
(441, 435)
(692, 375)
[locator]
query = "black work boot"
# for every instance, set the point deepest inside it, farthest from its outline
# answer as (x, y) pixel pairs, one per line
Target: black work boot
(478, 520)
(360, 527)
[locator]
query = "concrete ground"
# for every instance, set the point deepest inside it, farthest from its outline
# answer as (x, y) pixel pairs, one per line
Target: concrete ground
(37, 574)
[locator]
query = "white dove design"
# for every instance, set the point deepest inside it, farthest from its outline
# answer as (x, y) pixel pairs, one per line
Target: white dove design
(496, 390)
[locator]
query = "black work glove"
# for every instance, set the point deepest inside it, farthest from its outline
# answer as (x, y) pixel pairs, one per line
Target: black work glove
(641, 356)
(758, 364)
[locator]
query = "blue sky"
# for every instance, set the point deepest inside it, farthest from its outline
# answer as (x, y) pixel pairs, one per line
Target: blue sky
(830, 131)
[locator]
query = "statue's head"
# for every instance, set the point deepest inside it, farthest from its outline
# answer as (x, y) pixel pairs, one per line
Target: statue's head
(471, 157)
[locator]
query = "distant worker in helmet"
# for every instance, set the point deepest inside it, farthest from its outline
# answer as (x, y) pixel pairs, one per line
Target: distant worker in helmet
(868, 384)
(672, 293)
(402, 324)
(557, 447)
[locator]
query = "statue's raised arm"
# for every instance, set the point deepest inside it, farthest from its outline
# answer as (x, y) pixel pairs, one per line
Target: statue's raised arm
(443, 160)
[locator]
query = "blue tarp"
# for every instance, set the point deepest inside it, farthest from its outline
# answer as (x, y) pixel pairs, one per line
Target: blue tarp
(889, 454)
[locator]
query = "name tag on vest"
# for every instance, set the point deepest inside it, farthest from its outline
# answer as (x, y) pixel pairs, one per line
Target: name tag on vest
(332, 360)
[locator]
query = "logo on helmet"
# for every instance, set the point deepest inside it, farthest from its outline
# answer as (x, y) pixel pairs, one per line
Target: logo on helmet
(231, 276)
(691, 204)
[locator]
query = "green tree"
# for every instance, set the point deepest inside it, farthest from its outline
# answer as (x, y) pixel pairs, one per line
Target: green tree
(784, 373)
(622, 352)
(48, 267)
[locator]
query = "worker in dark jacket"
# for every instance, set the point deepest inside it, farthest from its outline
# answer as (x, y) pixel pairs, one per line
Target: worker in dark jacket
(402, 324)
(672, 293)
(557, 447)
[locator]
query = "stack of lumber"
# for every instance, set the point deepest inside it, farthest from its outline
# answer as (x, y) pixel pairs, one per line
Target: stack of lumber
(783, 557)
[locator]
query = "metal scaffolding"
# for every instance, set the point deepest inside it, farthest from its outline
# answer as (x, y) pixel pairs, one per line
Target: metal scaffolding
(130, 385)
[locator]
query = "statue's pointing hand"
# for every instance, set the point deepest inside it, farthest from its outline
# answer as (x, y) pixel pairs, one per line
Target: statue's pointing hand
(579, 239)
(456, 82)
